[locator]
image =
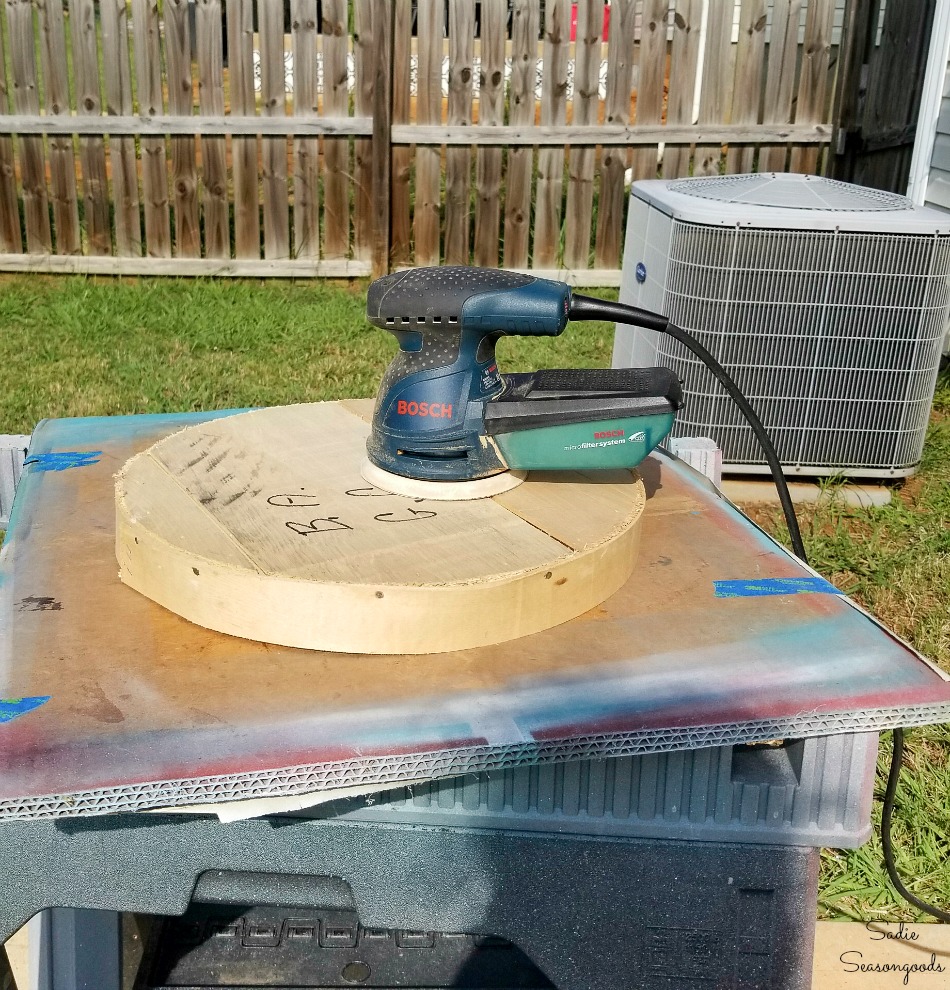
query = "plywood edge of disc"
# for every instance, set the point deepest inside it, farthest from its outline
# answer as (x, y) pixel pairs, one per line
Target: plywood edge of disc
(213, 586)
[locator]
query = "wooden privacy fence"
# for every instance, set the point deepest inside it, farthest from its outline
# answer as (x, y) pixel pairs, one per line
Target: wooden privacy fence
(340, 137)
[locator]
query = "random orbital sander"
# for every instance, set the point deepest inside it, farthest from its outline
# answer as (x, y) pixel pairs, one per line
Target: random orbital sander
(446, 417)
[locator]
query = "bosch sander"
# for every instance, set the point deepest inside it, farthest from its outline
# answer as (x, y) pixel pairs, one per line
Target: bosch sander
(445, 415)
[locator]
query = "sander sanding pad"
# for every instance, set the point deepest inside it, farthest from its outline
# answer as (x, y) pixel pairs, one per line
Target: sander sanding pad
(441, 491)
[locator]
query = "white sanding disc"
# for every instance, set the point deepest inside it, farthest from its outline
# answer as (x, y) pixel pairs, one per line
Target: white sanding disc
(441, 491)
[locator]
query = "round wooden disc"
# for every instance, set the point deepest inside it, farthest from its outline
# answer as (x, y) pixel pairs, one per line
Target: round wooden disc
(260, 525)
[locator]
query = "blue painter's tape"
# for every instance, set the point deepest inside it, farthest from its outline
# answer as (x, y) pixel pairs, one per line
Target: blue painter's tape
(774, 586)
(60, 460)
(11, 708)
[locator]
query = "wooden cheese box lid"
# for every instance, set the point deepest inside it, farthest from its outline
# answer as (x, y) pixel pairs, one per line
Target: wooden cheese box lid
(260, 525)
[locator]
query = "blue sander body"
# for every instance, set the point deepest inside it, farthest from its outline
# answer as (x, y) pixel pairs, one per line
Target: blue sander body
(445, 413)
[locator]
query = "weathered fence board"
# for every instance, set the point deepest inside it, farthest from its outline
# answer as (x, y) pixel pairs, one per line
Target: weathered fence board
(458, 168)
(71, 264)
(491, 111)
(400, 252)
(181, 102)
(214, 167)
(525, 16)
(148, 76)
(581, 161)
(244, 152)
(306, 150)
(617, 111)
(501, 135)
(813, 79)
(716, 82)
(62, 160)
(428, 200)
(651, 79)
(92, 150)
(684, 64)
(547, 223)
(336, 151)
(11, 238)
(609, 135)
(353, 135)
(381, 145)
(117, 88)
(780, 78)
(270, 19)
(748, 83)
(364, 43)
(26, 99)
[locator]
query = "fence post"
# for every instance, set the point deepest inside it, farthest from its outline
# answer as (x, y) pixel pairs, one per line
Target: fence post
(384, 13)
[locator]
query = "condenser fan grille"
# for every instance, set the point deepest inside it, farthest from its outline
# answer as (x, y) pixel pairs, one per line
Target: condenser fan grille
(834, 336)
(791, 192)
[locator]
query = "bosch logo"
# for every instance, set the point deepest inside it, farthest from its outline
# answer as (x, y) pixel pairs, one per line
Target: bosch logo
(606, 434)
(434, 410)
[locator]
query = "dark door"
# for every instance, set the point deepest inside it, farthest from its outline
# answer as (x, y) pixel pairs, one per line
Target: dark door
(884, 51)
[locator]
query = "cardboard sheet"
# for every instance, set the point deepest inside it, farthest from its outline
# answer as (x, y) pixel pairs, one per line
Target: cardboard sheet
(720, 636)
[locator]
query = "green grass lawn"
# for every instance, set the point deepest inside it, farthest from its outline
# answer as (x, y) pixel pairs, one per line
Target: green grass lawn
(79, 347)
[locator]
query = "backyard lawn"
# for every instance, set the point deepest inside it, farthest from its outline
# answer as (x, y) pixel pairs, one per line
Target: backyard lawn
(80, 347)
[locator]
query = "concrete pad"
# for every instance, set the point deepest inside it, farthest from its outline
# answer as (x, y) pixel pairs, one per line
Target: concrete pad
(744, 490)
(877, 956)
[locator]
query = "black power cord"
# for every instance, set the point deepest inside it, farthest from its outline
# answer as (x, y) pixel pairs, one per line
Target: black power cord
(590, 308)
(887, 811)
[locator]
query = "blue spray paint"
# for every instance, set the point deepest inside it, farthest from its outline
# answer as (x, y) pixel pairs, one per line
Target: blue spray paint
(11, 708)
(60, 460)
(774, 586)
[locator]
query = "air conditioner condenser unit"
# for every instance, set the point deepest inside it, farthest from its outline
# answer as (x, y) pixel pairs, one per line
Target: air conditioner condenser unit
(827, 302)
